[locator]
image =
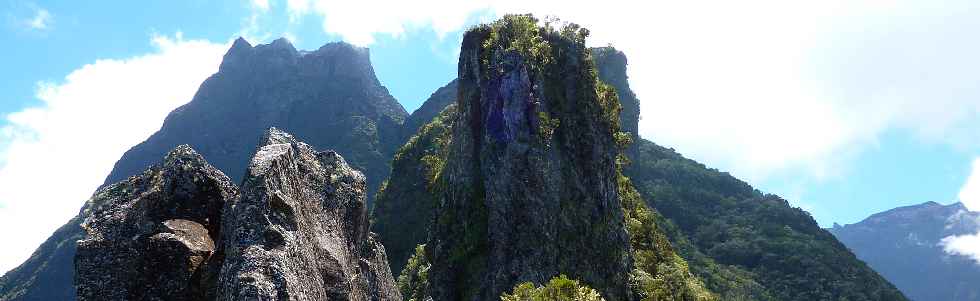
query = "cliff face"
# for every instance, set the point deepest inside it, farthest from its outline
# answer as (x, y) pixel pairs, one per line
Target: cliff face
(530, 189)
(743, 244)
(518, 181)
(905, 245)
(611, 69)
(155, 234)
(329, 97)
(300, 230)
(182, 231)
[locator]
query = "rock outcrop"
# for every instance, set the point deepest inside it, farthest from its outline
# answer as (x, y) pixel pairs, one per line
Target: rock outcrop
(329, 97)
(181, 231)
(154, 235)
(300, 230)
(529, 188)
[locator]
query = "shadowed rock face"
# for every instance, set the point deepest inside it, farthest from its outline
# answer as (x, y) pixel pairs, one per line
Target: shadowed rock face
(523, 198)
(329, 97)
(153, 236)
(181, 231)
(300, 230)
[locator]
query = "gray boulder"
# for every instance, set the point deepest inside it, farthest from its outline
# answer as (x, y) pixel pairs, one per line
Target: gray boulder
(300, 230)
(153, 236)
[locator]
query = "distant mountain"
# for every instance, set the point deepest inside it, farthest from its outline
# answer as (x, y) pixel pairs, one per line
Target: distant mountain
(329, 98)
(903, 244)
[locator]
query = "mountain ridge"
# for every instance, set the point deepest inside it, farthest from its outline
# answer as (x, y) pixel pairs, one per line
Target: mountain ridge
(905, 244)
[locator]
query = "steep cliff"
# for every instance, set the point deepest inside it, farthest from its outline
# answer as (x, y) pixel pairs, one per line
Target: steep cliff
(300, 230)
(523, 179)
(743, 244)
(329, 97)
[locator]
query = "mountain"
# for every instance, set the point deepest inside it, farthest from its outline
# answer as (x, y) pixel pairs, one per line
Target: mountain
(156, 234)
(744, 245)
(904, 245)
(522, 178)
(296, 229)
(329, 97)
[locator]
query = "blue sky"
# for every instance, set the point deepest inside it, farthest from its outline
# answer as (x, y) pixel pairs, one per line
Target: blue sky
(845, 108)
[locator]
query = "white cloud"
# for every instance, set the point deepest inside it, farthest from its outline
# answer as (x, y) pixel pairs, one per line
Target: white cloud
(54, 155)
(42, 19)
(964, 245)
(262, 5)
(358, 21)
(967, 245)
(755, 87)
(970, 193)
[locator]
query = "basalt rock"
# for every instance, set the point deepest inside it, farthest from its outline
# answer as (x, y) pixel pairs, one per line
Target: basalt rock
(300, 230)
(529, 186)
(328, 97)
(154, 235)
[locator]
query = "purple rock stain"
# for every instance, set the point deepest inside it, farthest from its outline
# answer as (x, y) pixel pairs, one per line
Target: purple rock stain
(510, 105)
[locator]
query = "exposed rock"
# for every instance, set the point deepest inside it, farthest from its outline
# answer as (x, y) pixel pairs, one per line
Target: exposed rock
(300, 230)
(611, 67)
(529, 185)
(329, 97)
(153, 236)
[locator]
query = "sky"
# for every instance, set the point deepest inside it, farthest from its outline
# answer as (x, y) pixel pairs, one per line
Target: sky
(845, 108)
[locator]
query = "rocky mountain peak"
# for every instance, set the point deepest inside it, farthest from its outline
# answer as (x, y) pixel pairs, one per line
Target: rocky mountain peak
(300, 230)
(181, 231)
(529, 188)
(155, 234)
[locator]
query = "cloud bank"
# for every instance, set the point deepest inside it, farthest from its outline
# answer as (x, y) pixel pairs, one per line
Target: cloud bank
(779, 86)
(967, 245)
(54, 155)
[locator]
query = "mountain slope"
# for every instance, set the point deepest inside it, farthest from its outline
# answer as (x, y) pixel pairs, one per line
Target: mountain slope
(519, 182)
(329, 97)
(904, 245)
(745, 245)
(735, 236)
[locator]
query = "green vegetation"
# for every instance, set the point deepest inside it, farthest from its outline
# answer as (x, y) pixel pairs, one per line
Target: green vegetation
(547, 126)
(414, 279)
(746, 245)
(558, 289)
(520, 34)
(659, 274)
(406, 202)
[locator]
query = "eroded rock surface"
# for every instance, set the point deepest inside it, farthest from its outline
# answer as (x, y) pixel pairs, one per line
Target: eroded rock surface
(153, 236)
(300, 230)
(529, 186)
